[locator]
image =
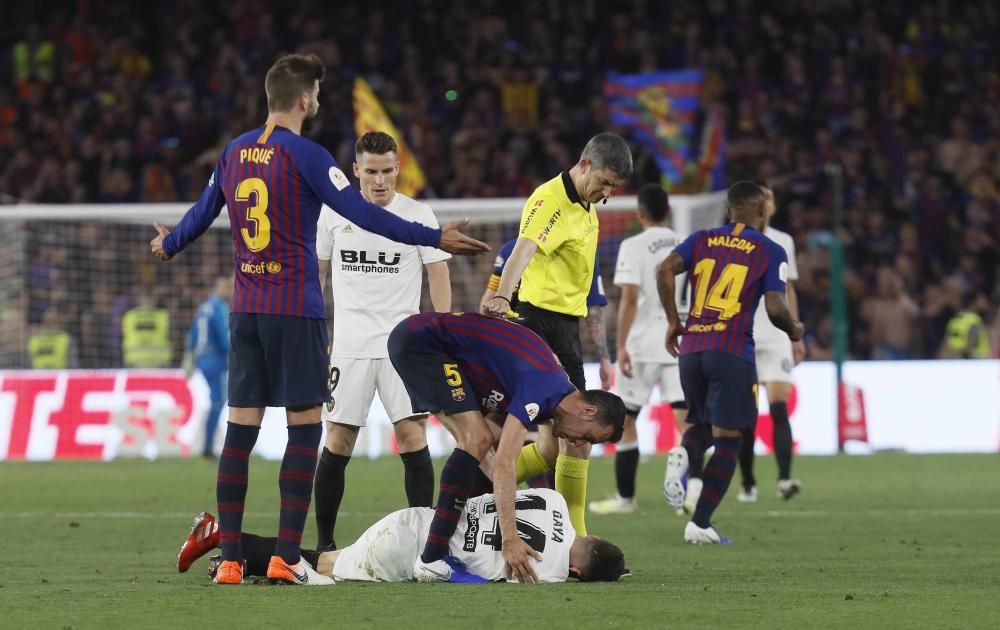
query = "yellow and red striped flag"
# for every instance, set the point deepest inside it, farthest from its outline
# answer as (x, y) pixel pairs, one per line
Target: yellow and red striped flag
(370, 116)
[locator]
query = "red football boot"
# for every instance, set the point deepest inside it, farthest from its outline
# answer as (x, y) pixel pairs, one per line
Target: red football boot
(203, 538)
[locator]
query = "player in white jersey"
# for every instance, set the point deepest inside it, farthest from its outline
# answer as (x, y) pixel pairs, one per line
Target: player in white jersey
(643, 360)
(376, 284)
(387, 551)
(775, 356)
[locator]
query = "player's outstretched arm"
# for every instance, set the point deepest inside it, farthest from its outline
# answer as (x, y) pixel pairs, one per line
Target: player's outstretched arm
(781, 316)
(194, 222)
(516, 263)
(333, 188)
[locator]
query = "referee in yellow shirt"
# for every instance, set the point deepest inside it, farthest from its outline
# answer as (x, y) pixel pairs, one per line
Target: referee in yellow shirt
(553, 260)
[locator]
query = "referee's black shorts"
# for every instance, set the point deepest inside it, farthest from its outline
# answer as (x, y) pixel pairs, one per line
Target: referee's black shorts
(562, 333)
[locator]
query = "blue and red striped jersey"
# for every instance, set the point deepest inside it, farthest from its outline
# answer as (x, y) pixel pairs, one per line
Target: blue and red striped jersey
(511, 369)
(274, 183)
(730, 268)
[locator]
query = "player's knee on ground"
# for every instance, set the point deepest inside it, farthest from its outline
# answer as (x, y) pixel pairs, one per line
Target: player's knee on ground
(340, 438)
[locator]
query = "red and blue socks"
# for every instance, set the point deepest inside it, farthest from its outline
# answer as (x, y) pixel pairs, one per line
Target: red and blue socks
(231, 486)
(456, 478)
(716, 478)
(298, 467)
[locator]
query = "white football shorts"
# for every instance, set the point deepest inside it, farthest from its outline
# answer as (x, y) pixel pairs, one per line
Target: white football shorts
(386, 551)
(353, 385)
(774, 362)
(635, 391)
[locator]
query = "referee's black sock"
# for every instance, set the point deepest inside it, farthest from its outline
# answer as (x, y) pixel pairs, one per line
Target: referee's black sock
(746, 456)
(418, 477)
(782, 439)
(626, 467)
(329, 493)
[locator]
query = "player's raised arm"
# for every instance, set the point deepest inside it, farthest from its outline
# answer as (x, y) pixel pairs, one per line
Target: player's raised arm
(516, 553)
(334, 189)
(195, 221)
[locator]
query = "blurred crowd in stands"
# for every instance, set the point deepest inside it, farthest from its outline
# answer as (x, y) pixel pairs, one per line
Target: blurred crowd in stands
(115, 102)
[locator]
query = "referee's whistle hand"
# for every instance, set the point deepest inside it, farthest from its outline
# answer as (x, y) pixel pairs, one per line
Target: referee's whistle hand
(454, 242)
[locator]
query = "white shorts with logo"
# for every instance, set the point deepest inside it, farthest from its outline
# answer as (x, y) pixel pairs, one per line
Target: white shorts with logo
(353, 383)
(387, 550)
(635, 391)
(774, 362)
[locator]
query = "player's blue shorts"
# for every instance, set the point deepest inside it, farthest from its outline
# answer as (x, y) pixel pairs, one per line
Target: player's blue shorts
(277, 361)
(434, 381)
(720, 389)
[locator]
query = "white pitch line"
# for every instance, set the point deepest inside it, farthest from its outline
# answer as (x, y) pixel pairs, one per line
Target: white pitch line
(142, 515)
(942, 512)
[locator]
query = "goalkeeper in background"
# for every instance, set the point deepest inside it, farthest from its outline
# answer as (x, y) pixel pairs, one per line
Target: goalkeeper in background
(207, 349)
(553, 263)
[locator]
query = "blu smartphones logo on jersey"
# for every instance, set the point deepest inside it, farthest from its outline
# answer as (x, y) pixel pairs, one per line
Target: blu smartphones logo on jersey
(269, 267)
(364, 262)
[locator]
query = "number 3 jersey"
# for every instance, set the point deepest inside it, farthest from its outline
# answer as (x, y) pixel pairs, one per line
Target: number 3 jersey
(729, 269)
(274, 182)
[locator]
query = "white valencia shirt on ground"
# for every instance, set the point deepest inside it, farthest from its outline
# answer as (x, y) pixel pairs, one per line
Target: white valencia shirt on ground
(376, 282)
(387, 550)
(639, 257)
(764, 332)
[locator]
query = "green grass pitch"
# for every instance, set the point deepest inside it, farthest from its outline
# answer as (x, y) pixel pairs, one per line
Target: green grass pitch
(886, 541)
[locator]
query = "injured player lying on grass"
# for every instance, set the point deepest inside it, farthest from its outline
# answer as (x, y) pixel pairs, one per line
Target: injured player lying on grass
(387, 550)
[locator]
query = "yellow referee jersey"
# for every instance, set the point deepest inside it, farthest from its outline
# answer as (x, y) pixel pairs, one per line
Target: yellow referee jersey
(565, 229)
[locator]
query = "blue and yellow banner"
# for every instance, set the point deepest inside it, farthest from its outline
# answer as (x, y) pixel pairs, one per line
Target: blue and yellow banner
(661, 109)
(369, 115)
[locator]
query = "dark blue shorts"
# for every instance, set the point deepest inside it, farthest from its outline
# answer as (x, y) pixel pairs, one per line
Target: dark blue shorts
(434, 381)
(720, 389)
(277, 361)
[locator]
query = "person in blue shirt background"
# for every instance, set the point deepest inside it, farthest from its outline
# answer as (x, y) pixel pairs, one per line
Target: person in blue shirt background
(207, 349)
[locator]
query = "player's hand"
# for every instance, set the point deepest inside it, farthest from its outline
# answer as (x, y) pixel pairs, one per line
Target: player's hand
(498, 307)
(156, 245)
(798, 331)
(624, 362)
(454, 242)
(673, 335)
(607, 374)
(799, 351)
(518, 554)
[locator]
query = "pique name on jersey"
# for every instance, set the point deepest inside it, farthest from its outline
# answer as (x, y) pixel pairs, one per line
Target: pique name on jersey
(732, 241)
(256, 155)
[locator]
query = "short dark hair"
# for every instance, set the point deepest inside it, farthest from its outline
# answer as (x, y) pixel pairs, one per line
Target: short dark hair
(744, 192)
(605, 562)
(610, 410)
(376, 143)
(654, 202)
(289, 77)
(609, 150)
